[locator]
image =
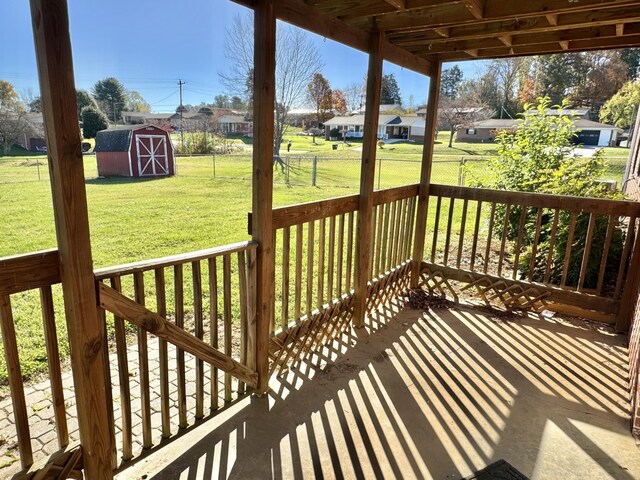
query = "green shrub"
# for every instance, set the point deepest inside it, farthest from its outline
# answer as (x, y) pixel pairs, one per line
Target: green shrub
(539, 156)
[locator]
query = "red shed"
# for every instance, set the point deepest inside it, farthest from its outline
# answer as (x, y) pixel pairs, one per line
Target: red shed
(134, 151)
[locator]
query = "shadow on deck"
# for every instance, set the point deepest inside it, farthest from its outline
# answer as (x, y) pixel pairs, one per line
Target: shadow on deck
(437, 394)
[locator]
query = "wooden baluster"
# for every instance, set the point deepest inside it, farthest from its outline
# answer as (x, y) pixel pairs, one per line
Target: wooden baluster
(196, 274)
(587, 251)
(123, 377)
(143, 365)
(213, 327)
(286, 247)
(435, 230)
(331, 260)
(396, 235)
(178, 274)
(108, 391)
(392, 236)
(298, 299)
(476, 230)
(242, 286)
(340, 255)
(310, 253)
(385, 238)
(447, 241)
(605, 253)
(376, 225)
(16, 386)
(463, 224)
(626, 250)
(412, 223)
(552, 244)
(321, 241)
(505, 230)
(226, 279)
(252, 332)
(163, 353)
(567, 256)
(534, 246)
(404, 237)
(516, 261)
(399, 249)
(350, 252)
(53, 361)
(487, 253)
(375, 239)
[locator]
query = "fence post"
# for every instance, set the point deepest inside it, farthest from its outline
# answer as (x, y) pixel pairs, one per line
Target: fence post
(379, 171)
(214, 164)
(37, 167)
(314, 171)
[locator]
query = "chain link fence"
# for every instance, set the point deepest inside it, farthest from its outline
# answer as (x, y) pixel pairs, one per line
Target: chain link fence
(319, 171)
(300, 170)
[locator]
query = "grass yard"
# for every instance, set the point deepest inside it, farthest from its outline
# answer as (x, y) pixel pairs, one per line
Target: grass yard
(141, 219)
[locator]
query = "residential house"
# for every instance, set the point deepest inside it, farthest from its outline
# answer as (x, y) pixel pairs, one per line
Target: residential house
(588, 132)
(390, 126)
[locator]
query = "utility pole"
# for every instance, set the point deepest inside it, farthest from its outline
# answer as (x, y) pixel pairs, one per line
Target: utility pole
(180, 83)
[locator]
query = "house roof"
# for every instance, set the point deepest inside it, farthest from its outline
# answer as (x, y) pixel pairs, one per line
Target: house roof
(359, 120)
(148, 115)
(499, 124)
(232, 119)
(419, 33)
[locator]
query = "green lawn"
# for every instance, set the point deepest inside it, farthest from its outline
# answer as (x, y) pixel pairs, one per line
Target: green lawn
(133, 220)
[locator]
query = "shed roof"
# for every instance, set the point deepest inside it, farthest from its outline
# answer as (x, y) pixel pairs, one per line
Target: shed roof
(117, 138)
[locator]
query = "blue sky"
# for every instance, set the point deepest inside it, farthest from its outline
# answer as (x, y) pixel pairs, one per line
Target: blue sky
(149, 45)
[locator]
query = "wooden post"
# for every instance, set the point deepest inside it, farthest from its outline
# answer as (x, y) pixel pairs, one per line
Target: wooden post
(631, 290)
(431, 122)
(262, 227)
(86, 334)
(367, 177)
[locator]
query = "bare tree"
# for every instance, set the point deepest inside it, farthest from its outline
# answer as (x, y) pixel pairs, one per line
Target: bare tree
(354, 93)
(460, 112)
(297, 59)
(13, 125)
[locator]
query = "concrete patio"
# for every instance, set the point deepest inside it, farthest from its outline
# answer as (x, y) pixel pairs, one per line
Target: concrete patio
(437, 394)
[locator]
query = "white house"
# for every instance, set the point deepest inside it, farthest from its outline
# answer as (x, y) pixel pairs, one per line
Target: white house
(408, 127)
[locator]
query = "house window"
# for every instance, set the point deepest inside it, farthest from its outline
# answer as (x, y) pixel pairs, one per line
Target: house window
(471, 131)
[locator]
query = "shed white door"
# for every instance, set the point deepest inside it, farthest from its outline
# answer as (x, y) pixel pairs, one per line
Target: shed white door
(152, 155)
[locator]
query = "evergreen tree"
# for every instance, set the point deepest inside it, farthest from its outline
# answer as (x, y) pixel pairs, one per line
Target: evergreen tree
(111, 96)
(390, 94)
(450, 81)
(93, 120)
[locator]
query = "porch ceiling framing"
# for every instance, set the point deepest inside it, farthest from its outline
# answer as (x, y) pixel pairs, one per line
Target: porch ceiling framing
(421, 32)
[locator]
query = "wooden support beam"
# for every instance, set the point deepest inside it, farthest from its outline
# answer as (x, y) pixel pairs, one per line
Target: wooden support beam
(476, 8)
(631, 291)
(431, 123)
(86, 333)
(151, 322)
(367, 177)
(506, 39)
(397, 4)
(552, 18)
(444, 32)
(262, 198)
(620, 29)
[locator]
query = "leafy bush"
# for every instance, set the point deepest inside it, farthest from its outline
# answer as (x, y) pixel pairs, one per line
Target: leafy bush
(539, 156)
(93, 120)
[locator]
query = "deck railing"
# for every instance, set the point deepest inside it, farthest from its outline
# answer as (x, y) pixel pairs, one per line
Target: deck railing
(208, 294)
(569, 254)
(315, 265)
(502, 246)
